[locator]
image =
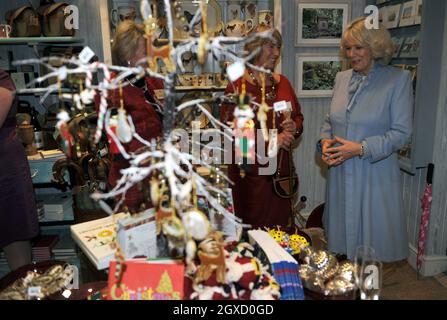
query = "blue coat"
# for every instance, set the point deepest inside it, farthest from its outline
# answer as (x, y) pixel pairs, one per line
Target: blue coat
(364, 203)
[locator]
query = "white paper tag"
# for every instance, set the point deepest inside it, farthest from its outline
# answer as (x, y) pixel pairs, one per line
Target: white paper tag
(102, 185)
(280, 106)
(86, 55)
(34, 291)
(235, 71)
(62, 73)
(273, 143)
(103, 152)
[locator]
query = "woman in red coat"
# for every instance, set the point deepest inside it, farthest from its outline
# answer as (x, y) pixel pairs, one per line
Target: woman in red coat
(142, 101)
(254, 198)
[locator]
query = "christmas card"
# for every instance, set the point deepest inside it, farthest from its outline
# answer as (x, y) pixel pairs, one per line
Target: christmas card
(147, 280)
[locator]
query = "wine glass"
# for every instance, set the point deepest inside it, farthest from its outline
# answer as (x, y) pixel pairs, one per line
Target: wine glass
(362, 253)
(370, 279)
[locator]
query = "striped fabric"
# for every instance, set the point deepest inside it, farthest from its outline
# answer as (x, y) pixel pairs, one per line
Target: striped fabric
(286, 274)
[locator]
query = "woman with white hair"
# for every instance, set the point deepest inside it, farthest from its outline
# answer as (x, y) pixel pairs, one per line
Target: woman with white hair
(370, 119)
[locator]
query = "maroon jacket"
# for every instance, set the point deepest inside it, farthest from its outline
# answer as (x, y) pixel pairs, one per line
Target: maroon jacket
(147, 124)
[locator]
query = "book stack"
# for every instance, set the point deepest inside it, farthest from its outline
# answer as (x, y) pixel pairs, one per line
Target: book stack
(96, 239)
(65, 249)
(57, 206)
(4, 268)
(56, 153)
(42, 247)
(284, 266)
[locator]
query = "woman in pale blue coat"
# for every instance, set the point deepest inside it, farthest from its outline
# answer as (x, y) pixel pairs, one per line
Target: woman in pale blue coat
(370, 119)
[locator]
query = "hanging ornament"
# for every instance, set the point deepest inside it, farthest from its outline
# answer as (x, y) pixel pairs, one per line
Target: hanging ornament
(62, 124)
(175, 232)
(244, 128)
(262, 111)
(155, 191)
(164, 211)
(123, 130)
(154, 53)
(191, 249)
(195, 221)
(203, 40)
(272, 149)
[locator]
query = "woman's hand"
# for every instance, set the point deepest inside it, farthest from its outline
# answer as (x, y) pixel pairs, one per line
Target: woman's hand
(285, 139)
(325, 145)
(337, 155)
(289, 125)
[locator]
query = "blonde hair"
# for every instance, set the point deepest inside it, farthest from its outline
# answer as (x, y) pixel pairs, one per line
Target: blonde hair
(125, 43)
(378, 40)
(259, 42)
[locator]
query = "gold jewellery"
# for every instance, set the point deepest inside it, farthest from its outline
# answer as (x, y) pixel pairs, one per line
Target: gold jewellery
(268, 95)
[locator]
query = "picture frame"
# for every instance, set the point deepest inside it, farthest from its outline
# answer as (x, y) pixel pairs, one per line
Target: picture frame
(398, 42)
(383, 13)
(408, 13)
(411, 47)
(315, 74)
(321, 23)
(418, 14)
(391, 19)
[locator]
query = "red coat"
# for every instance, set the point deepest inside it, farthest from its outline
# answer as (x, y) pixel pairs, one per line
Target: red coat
(147, 124)
(254, 198)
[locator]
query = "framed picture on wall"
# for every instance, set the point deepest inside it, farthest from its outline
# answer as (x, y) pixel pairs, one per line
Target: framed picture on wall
(391, 19)
(383, 15)
(411, 47)
(398, 42)
(320, 23)
(418, 15)
(408, 13)
(315, 74)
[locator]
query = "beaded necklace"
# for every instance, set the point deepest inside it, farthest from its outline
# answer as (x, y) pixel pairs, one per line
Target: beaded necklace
(268, 95)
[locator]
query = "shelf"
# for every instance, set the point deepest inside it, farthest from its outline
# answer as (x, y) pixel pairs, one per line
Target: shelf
(56, 223)
(40, 40)
(42, 91)
(63, 187)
